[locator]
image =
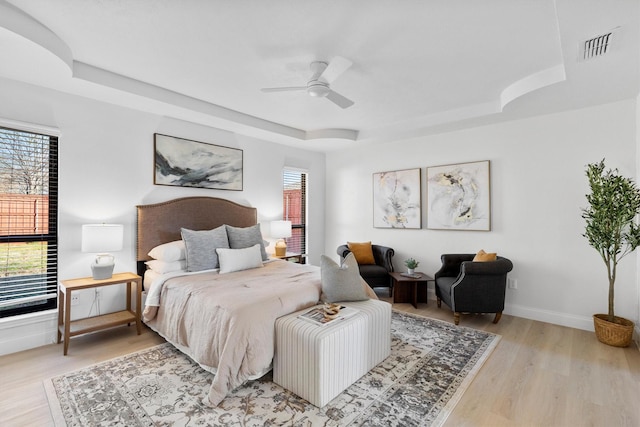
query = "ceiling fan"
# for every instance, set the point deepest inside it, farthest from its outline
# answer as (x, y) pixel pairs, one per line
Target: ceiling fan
(319, 85)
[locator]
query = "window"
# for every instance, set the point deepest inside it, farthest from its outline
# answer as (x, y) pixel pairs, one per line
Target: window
(28, 222)
(294, 206)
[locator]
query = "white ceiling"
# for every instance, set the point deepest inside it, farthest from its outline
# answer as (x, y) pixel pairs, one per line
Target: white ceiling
(418, 66)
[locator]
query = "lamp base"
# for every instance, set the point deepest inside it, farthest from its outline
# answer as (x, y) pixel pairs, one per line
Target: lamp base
(102, 271)
(281, 248)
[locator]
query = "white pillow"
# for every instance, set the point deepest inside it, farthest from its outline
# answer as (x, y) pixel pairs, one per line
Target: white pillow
(172, 251)
(167, 267)
(239, 259)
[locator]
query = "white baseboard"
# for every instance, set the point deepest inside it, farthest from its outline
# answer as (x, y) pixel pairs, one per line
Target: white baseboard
(557, 318)
(28, 331)
(38, 329)
(562, 319)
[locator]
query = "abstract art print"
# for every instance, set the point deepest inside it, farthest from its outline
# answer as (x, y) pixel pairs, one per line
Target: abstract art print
(185, 163)
(396, 199)
(459, 197)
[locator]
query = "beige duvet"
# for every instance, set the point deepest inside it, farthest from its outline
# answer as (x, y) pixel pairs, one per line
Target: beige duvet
(226, 321)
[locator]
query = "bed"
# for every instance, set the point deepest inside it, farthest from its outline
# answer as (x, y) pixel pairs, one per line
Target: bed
(224, 322)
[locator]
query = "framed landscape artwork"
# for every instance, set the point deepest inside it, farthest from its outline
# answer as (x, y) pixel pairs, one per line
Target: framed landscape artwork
(185, 163)
(459, 197)
(396, 199)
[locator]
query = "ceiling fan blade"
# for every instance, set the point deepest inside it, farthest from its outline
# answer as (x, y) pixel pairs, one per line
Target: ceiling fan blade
(339, 100)
(282, 89)
(318, 68)
(336, 67)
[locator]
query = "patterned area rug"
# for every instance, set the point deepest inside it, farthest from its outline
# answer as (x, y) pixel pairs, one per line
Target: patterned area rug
(430, 366)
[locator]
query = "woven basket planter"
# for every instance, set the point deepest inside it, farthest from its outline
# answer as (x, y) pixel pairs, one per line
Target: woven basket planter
(618, 333)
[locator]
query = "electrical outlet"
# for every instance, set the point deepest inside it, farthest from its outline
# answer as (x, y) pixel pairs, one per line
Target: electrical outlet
(512, 283)
(75, 299)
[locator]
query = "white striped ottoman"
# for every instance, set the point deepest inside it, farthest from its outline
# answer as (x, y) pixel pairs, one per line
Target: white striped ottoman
(318, 362)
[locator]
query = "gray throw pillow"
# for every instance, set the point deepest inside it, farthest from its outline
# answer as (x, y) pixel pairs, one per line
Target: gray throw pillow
(245, 237)
(341, 282)
(200, 247)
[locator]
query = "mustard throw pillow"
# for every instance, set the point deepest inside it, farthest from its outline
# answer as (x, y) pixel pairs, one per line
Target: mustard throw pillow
(482, 256)
(362, 252)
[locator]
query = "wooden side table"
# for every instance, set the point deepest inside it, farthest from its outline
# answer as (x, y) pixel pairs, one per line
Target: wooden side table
(293, 257)
(408, 289)
(68, 328)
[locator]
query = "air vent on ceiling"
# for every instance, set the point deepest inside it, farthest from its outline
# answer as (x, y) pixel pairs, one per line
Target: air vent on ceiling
(597, 46)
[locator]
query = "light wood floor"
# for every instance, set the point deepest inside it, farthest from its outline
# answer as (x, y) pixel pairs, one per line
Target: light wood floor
(539, 375)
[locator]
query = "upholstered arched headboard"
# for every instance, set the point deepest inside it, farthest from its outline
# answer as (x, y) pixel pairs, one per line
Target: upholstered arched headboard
(161, 222)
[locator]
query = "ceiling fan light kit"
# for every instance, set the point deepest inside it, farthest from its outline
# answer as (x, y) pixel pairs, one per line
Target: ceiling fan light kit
(319, 84)
(318, 89)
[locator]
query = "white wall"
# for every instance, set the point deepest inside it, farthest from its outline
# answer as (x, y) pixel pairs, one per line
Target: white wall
(537, 175)
(106, 169)
(538, 186)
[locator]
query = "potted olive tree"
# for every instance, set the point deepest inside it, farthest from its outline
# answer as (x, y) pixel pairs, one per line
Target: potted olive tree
(611, 228)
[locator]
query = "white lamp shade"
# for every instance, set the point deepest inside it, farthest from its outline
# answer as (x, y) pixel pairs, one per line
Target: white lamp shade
(281, 229)
(102, 237)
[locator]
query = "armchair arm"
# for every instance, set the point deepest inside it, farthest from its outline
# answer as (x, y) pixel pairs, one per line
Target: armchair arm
(451, 264)
(480, 287)
(498, 267)
(383, 255)
(343, 251)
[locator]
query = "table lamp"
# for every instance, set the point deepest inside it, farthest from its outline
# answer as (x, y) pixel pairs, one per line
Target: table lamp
(281, 230)
(101, 239)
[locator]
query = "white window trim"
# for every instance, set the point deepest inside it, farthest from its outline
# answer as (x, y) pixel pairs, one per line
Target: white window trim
(29, 127)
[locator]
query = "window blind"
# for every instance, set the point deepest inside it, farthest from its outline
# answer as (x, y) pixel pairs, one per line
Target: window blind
(295, 208)
(28, 221)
